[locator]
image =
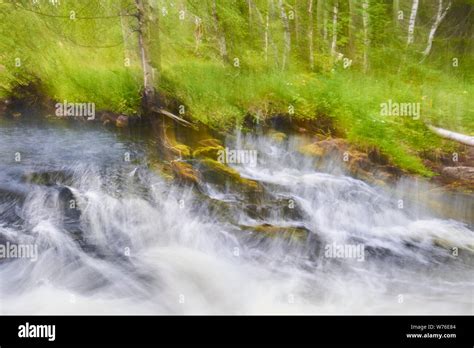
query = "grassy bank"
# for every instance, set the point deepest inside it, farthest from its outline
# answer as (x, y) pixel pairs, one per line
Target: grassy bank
(97, 60)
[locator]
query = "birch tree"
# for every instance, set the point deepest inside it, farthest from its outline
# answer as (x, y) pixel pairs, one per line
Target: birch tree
(267, 30)
(310, 34)
(395, 9)
(296, 22)
(319, 16)
(145, 18)
(365, 22)
(334, 28)
(325, 24)
(351, 24)
(411, 23)
(286, 36)
(439, 18)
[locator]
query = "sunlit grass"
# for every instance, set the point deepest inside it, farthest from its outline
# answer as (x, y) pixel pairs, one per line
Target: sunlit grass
(221, 95)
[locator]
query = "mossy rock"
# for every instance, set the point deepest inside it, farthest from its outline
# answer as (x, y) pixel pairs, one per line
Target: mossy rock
(212, 142)
(268, 230)
(162, 170)
(208, 151)
(312, 150)
(49, 178)
(181, 150)
(184, 172)
(278, 136)
(223, 174)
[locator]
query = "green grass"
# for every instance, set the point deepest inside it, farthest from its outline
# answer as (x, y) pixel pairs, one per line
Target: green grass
(220, 95)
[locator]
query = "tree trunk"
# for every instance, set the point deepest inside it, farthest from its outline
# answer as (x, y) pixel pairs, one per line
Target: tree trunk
(267, 29)
(396, 8)
(310, 34)
(334, 29)
(447, 134)
(351, 25)
(297, 23)
(144, 46)
(325, 24)
(439, 18)
(220, 35)
(319, 18)
(286, 36)
(365, 21)
(411, 24)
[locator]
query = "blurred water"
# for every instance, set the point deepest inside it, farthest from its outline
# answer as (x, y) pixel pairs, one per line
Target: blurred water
(135, 243)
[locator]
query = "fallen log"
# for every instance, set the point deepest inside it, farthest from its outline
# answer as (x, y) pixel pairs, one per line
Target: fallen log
(173, 116)
(447, 134)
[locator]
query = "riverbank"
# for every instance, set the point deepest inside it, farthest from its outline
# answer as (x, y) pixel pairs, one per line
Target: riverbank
(450, 166)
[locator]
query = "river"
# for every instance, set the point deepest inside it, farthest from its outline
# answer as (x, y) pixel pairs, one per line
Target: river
(114, 237)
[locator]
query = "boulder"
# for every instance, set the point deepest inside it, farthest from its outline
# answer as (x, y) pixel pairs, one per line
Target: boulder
(222, 174)
(460, 173)
(121, 121)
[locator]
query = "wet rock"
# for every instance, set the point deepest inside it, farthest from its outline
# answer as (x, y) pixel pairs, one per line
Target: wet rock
(161, 169)
(211, 152)
(68, 203)
(48, 178)
(181, 150)
(3, 107)
(121, 121)
(312, 150)
(269, 208)
(268, 230)
(184, 172)
(210, 142)
(460, 173)
(334, 145)
(219, 173)
(359, 161)
(331, 146)
(278, 136)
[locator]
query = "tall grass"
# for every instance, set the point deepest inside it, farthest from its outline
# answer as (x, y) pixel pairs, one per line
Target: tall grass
(65, 56)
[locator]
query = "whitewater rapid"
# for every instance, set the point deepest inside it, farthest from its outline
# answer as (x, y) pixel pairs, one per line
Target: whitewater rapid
(140, 244)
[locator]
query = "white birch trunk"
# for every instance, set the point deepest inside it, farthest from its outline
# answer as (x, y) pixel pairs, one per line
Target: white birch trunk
(147, 69)
(439, 18)
(267, 29)
(447, 134)
(325, 24)
(365, 21)
(286, 36)
(310, 35)
(334, 29)
(411, 23)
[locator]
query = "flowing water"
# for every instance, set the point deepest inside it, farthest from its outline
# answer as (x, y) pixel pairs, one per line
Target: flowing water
(133, 242)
